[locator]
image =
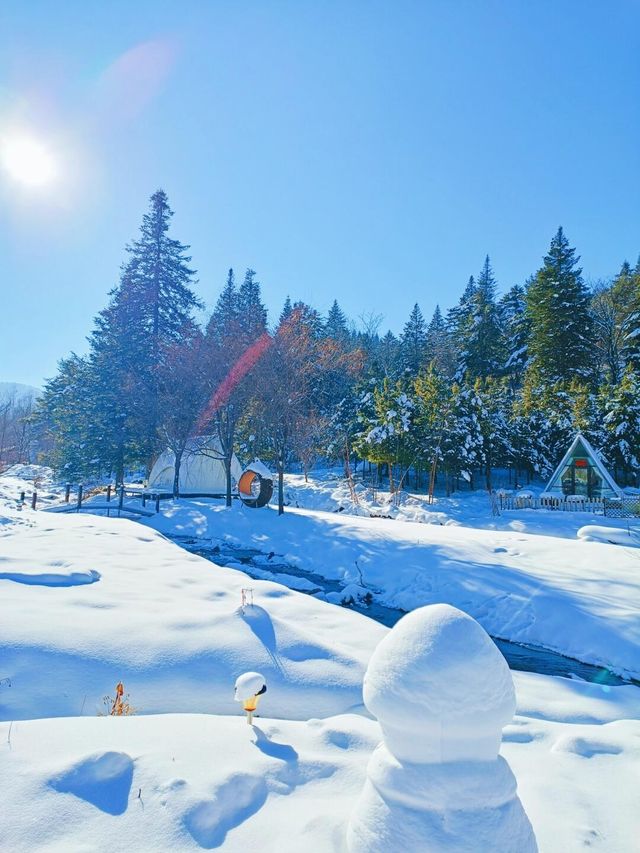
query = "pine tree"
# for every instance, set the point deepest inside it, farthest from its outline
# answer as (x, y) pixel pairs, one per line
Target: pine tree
(621, 404)
(515, 324)
(308, 317)
(480, 336)
(253, 314)
(462, 443)
(631, 323)
(438, 349)
(148, 313)
(561, 342)
(336, 324)
(225, 319)
(387, 356)
(431, 418)
(458, 322)
(287, 308)
(65, 414)
(494, 424)
(386, 427)
(158, 275)
(413, 342)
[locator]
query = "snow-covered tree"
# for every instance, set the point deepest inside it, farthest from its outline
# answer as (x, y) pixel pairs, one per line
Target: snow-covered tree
(386, 419)
(438, 346)
(561, 338)
(480, 337)
(515, 325)
(621, 404)
(413, 342)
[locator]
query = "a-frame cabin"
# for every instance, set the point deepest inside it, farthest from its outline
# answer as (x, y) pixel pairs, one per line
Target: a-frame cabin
(582, 472)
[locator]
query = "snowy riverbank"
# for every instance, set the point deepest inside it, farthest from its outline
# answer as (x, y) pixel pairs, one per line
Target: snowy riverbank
(86, 601)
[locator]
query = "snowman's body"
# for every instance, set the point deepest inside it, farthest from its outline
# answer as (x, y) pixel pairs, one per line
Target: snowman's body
(442, 692)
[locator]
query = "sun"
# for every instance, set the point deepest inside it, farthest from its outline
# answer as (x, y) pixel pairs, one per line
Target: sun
(27, 160)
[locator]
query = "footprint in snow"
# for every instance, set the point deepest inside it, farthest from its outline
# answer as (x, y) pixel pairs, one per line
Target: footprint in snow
(104, 780)
(236, 800)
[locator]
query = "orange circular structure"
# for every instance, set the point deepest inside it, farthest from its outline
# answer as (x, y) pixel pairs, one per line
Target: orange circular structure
(254, 490)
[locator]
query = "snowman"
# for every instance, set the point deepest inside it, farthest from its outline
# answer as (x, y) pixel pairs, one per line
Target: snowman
(442, 693)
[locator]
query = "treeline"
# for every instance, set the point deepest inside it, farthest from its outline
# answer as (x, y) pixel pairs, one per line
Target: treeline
(494, 383)
(16, 441)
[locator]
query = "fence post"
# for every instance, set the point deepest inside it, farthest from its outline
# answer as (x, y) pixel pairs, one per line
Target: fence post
(108, 492)
(79, 504)
(21, 497)
(157, 503)
(67, 492)
(121, 498)
(144, 499)
(34, 498)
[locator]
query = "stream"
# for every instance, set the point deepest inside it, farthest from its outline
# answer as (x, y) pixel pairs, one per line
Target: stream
(261, 566)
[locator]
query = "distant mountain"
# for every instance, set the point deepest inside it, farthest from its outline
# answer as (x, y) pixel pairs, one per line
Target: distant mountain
(18, 392)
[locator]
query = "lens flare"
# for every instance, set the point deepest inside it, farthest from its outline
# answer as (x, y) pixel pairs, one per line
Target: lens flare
(27, 160)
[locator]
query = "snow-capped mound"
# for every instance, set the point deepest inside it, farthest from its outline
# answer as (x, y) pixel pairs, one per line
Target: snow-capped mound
(439, 667)
(249, 685)
(629, 537)
(442, 693)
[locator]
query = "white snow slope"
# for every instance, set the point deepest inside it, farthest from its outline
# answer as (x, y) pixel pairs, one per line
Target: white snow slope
(86, 601)
(572, 596)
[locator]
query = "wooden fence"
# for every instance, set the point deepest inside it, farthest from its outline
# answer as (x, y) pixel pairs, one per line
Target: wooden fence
(627, 507)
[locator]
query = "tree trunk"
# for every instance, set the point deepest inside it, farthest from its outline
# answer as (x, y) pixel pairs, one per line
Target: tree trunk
(119, 471)
(227, 472)
(176, 474)
(280, 485)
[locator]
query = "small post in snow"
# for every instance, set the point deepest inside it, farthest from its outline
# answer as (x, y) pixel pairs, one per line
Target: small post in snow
(248, 690)
(243, 597)
(34, 498)
(67, 492)
(79, 503)
(157, 503)
(120, 498)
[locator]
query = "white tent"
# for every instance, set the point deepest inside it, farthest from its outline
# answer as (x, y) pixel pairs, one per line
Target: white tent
(201, 470)
(582, 472)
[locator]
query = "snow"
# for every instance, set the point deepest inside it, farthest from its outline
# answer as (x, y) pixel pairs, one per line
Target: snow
(439, 687)
(87, 601)
(442, 693)
(248, 684)
(574, 597)
(259, 468)
(607, 535)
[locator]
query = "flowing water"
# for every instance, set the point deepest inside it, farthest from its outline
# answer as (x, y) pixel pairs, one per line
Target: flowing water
(266, 567)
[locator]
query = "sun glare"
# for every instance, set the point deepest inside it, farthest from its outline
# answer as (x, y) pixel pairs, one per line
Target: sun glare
(27, 160)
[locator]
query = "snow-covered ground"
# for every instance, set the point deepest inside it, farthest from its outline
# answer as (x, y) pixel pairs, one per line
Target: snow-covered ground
(575, 597)
(185, 782)
(328, 491)
(86, 601)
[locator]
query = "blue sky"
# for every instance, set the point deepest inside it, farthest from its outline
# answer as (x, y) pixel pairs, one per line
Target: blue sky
(373, 152)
